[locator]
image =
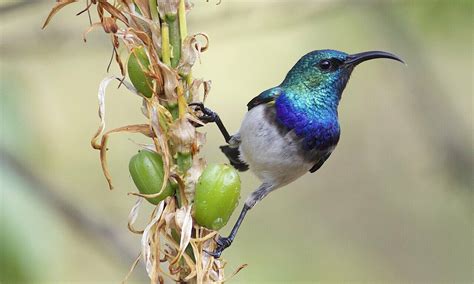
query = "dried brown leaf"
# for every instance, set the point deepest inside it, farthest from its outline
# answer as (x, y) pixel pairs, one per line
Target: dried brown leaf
(191, 51)
(144, 7)
(109, 25)
(132, 217)
(140, 23)
(118, 59)
(160, 140)
(147, 251)
(170, 83)
(90, 29)
(113, 11)
(184, 221)
(59, 5)
(192, 177)
(101, 96)
(138, 128)
(196, 86)
(182, 134)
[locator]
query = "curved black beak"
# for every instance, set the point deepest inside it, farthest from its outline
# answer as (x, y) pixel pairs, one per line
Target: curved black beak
(354, 59)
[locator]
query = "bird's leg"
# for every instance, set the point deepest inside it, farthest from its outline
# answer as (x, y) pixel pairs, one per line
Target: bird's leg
(225, 242)
(211, 116)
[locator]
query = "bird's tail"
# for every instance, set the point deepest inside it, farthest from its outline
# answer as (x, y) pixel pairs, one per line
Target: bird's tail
(233, 155)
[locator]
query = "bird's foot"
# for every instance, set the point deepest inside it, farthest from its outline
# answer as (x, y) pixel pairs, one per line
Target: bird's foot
(207, 114)
(222, 244)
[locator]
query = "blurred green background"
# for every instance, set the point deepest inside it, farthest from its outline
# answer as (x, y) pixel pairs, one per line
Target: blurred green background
(394, 204)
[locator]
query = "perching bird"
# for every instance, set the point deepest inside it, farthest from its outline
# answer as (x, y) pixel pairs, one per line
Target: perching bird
(290, 129)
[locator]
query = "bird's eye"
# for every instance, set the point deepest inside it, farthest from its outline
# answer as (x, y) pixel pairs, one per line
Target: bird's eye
(325, 65)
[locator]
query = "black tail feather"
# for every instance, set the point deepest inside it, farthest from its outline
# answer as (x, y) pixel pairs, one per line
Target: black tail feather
(233, 155)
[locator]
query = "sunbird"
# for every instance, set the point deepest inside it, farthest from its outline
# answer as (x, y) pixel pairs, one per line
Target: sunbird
(290, 129)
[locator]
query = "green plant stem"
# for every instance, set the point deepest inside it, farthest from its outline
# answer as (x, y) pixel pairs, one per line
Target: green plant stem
(175, 39)
(154, 10)
(183, 28)
(165, 44)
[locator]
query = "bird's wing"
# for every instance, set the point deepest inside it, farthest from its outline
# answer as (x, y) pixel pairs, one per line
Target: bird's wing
(320, 162)
(233, 154)
(265, 97)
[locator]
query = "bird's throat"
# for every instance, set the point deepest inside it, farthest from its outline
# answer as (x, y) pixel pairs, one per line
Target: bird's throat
(312, 116)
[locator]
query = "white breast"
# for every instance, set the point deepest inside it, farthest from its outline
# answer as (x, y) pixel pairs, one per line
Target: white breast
(274, 157)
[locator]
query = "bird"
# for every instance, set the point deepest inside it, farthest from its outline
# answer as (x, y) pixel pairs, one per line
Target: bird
(291, 129)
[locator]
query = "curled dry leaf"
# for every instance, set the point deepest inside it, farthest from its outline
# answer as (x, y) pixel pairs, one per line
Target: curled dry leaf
(160, 140)
(101, 96)
(59, 5)
(116, 13)
(144, 7)
(192, 177)
(117, 56)
(139, 22)
(191, 51)
(182, 134)
(109, 25)
(102, 146)
(146, 241)
(184, 221)
(132, 217)
(156, 36)
(170, 83)
(129, 38)
(138, 128)
(143, 36)
(196, 86)
(144, 109)
(90, 29)
(179, 217)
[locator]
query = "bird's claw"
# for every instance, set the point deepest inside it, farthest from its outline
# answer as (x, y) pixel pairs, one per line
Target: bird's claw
(222, 244)
(207, 114)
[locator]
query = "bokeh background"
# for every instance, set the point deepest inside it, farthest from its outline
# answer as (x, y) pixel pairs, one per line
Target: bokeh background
(393, 204)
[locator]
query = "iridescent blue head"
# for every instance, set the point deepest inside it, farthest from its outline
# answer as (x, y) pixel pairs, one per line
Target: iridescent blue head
(327, 70)
(311, 92)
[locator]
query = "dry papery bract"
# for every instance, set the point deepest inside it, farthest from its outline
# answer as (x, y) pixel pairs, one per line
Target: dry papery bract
(172, 245)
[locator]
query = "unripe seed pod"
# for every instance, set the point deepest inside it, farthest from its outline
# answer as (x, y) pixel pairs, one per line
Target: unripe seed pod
(217, 195)
(137, 67)
(146, 169)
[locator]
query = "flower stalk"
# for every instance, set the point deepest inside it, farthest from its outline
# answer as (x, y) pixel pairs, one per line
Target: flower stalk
(158, 29)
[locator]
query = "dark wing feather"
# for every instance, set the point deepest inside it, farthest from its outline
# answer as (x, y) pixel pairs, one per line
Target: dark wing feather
(233, 154)
(264, 97)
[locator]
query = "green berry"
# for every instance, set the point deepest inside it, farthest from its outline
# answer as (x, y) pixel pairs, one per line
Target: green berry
(137, 67)
(146, 169)
(217, 195)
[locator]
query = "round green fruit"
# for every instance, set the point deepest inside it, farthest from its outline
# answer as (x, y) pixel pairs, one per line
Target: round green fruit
(217, 195)
(146, 169)
(137, 66)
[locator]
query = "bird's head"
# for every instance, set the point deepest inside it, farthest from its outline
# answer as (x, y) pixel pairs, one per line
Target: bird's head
(328, 70)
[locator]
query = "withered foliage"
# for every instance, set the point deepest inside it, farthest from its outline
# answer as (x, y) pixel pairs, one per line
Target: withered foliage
(173, 245)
